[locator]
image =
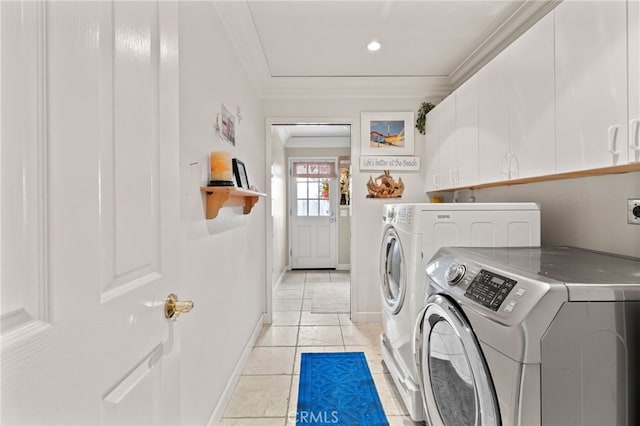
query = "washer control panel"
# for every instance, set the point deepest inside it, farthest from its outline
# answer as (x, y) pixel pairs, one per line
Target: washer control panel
(490, 289)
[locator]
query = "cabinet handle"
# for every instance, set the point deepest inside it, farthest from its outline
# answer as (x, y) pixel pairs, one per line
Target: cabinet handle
(634, 134)
(613, 135)
(436, 180)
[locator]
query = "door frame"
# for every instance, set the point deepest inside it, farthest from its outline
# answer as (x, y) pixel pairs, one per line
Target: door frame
(290, 203)
(270, 121)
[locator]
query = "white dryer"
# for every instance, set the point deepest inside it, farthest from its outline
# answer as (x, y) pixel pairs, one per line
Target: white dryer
(530, 336)
(412, 233)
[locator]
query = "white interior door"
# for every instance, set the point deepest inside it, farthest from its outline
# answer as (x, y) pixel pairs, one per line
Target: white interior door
(313, 221)
(90, 212)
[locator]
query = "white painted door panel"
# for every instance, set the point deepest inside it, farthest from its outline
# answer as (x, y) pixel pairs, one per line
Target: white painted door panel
(591, 85)
(493, 121)
(313, 222)
(531, 95)
(447, 145)
(467, 133)
(432, 157)
(92, 346)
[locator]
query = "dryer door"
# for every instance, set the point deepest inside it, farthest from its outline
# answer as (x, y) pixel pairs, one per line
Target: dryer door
(392, 265)
(456, 385)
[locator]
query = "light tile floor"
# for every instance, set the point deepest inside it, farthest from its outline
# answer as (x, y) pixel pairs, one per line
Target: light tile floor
(310, 314)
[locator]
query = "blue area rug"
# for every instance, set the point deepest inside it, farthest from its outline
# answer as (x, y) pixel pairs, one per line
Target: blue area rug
(336, 388)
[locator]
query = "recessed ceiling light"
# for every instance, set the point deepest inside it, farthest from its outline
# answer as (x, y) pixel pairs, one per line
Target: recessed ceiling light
(374, 46)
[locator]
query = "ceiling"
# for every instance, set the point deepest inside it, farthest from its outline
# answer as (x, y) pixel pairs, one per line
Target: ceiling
(317, 48)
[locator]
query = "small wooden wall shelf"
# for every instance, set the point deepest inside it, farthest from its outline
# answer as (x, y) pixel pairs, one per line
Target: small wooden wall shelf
(218, 196)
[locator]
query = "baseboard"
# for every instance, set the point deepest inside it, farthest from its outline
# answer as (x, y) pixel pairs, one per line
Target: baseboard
(280, 279)
(367, 317)
(343, 267)
(221, 406)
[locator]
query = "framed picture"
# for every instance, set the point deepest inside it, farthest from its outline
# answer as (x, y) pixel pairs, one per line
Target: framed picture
(387, 133)
(240, 174)
(228, 126)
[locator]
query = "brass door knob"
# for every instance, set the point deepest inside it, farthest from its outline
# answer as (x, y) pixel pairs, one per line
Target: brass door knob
(174, 307)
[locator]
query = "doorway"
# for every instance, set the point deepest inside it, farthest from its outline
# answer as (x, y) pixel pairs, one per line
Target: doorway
(313, 201)
(310, 212)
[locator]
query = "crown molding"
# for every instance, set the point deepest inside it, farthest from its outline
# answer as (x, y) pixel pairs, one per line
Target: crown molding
(238, 23)
(530, 12)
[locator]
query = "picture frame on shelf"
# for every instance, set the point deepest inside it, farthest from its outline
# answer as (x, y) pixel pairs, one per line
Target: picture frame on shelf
(240, 174)
(387, 133)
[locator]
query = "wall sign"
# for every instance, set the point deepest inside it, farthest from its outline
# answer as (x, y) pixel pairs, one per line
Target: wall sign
(372, 162)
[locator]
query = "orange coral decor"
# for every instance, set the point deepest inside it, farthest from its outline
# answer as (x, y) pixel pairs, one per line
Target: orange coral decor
(384, 186)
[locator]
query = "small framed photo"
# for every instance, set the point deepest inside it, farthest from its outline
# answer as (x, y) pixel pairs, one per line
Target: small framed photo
(387, 133)
(228, 126)
(240, 174)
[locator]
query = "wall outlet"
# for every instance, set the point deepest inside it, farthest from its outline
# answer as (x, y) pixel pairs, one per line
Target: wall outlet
(633, 211)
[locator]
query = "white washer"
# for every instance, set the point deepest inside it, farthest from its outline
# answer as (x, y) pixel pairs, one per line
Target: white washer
(530, 336)
(412, 233)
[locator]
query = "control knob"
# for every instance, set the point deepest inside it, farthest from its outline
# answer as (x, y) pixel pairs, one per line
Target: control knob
(455, 273)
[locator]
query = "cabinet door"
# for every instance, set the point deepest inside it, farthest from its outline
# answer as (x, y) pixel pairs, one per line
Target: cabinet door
(531, 96)
(467, 133)
(633, 18)
(432, 160)
(591, 84)
(493, 119)
(447, 146)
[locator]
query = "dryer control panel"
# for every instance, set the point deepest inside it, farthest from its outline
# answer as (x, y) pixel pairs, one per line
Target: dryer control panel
(490, 289)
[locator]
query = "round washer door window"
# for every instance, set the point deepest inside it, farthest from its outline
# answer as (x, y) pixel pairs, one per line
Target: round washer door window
(456, 385)
(393, 277)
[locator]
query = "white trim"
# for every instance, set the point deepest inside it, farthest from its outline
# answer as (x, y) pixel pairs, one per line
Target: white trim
(218, 412)
(514, 26)
(280, 279)
(343, 267)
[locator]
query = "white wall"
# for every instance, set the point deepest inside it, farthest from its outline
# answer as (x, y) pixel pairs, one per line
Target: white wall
(366, 213)
(587, 212)
(224, 258)
(278, 194)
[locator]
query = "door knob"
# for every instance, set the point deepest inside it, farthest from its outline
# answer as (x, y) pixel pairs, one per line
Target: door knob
(174, 307)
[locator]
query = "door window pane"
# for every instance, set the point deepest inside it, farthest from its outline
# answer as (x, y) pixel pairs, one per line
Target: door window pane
(302, 208)
(314, 189)
(313, 207)
(302, 189)
(324, 207)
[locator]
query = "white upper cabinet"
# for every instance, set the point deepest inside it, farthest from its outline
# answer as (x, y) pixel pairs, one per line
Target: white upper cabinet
(493, 119)
(531, 102)
(432, 160)
(466, 136)
(447, 145)
(633, 20)
(591, 84)
(516, 108)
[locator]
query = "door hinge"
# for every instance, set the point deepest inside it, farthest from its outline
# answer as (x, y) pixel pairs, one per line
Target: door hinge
(290, 252)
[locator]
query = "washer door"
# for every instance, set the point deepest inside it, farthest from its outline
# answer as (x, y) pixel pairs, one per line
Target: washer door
(392, 271)
(455, 382)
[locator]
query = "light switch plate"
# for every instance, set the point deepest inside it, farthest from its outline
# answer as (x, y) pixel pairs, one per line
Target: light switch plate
(633, 211)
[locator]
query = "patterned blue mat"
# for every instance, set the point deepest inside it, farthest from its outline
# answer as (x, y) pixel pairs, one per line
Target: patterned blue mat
(337, 389)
